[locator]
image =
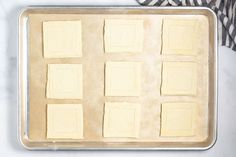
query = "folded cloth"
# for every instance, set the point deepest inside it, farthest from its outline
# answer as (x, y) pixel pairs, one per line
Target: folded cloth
(224, 9)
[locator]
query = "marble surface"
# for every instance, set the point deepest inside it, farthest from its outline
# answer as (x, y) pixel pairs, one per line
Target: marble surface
(9, 145)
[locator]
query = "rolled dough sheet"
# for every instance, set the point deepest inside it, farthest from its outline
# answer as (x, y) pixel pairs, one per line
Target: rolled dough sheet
(121, 119)
(123, 78)
(65, 121)
(65, 81)
(179, 78)
(178, 119)
(62, 39)
(180, 36)
(123, 35)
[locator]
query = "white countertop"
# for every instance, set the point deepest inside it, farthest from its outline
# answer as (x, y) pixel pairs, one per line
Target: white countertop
(9, 145)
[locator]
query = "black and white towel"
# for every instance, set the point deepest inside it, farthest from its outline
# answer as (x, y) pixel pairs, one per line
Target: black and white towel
(224, 9)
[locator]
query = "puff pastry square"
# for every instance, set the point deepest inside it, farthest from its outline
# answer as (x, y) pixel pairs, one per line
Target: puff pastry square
(179, 78)
(64, 121)
(62, 39)
(121, 119)
(178, 119)
(65, 81)
(123, 79)
(123, 36)
(180, 36)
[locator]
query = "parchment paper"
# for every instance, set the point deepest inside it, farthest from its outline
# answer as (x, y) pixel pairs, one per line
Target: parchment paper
(93, 61)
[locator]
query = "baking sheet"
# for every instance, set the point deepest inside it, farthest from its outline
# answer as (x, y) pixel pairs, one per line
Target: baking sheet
(93, 61)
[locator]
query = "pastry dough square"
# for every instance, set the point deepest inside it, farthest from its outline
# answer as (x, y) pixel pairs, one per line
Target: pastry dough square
(65, 121)
(123, 36)
(121, 119)
(178, 119)
(62, 39)
(123, 79)
(179, 78)
(65, 81)
(180, 36)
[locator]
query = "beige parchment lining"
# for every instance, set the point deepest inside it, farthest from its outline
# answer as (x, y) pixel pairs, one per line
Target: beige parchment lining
(93, 61)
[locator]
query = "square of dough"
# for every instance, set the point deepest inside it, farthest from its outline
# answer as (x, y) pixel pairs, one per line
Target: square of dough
(179, 78)
(123, 36)
(123, 79)
(180, 36)
(65, 81)
(121, 119)
(65, 121)
(62, 39)
(178, 119)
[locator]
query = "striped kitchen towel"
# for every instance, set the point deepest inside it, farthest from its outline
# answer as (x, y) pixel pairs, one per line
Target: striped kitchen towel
(224, 9)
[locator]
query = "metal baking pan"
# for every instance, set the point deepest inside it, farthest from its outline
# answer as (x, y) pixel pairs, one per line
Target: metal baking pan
(24, 94)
